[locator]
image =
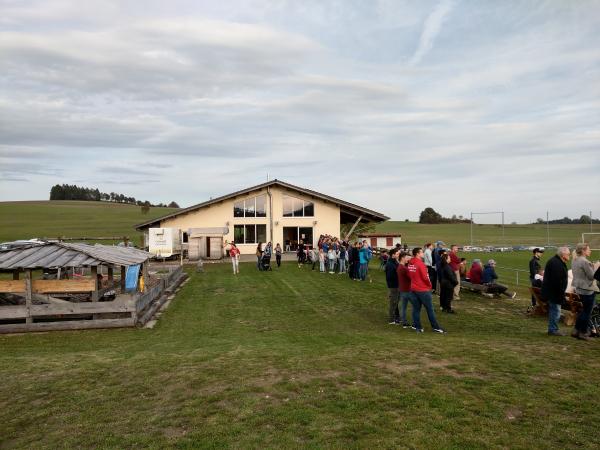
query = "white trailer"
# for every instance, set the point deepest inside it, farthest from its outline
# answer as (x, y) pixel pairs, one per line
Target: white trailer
(164, 242)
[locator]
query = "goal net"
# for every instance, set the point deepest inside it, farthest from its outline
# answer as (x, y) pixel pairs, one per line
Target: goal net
(593, 239)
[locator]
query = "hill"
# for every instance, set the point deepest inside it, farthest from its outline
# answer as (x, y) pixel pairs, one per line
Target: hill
(535, 234)
(57, 218)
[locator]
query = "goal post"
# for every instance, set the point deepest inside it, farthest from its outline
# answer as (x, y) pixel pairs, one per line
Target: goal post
(592, 239)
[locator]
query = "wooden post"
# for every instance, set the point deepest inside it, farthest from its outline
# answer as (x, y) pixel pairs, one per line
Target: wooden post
(28, 296)
(111, 276)
(145, 274)
(95, 278)
(123, 274)
(15, 275)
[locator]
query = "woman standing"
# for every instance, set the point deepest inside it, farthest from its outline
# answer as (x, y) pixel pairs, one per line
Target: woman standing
(234, 253)
(448, 282)
(278, 255)
(583, 282)
(259, 256)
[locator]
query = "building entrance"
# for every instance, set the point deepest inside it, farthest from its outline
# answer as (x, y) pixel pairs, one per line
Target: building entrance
(293, 235)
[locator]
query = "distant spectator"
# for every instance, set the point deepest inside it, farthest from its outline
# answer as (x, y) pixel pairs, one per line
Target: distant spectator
(404, 286)
(391, 278)
(448, 278)
(278, 254)
(234, 254)
(259, 253)
(476, 272)
(489, 279)
(583, 282)
(462, 268)
(321, 260)
(343, 255)
(428, 261)
(455, 265)
(554, 286)
(421, 288)
(332, 258)
(534, 268)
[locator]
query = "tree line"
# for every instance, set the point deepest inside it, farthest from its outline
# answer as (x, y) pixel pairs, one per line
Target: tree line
(73, 192)
(429, 215)
(583, 220)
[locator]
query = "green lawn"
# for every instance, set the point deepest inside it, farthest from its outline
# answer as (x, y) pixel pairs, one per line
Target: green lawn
(418, 234)
(51, 219)
(298, 359)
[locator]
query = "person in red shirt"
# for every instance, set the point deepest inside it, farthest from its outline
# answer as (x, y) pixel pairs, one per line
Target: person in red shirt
(234, 254)
(404, 287)
(455, 266)
(476, 272)
(420, 286)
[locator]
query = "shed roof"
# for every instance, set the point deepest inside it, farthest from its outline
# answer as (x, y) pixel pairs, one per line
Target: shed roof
(345, 207)
(61, 254)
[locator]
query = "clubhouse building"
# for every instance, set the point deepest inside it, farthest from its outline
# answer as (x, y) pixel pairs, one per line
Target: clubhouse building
(274, 211)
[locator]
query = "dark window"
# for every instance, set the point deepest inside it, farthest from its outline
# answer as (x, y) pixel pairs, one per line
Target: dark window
(185, 237)
(389, 241)
(298, 208)
(261, 233)
(261, 206)
(250, 234)
(238, 234)
(238, 209)
(288, 206)
(309, 209)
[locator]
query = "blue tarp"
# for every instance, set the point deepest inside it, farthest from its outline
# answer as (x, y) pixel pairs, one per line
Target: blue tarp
(131, 277)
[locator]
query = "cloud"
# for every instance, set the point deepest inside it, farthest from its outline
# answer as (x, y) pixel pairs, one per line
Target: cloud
(431, 29)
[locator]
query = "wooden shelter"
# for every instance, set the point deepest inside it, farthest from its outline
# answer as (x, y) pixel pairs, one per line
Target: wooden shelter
(30, 303)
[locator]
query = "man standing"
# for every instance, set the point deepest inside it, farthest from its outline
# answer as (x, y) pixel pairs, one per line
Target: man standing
(455, 266)
(421, 290)
(391, 278)
(534, 268)
(554, 286)
(428, 260)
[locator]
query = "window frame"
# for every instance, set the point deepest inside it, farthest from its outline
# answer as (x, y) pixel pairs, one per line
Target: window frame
(295, 200)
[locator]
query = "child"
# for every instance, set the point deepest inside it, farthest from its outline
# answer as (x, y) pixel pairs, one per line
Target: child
(321, 260)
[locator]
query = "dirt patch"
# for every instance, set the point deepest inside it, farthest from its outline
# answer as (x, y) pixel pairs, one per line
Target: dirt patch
(513, 414)
(174, 432)
(219, 291)
(426, 365)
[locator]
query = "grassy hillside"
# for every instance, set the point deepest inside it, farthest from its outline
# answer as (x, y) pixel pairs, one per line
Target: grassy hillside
(25, 220)
(415, 233)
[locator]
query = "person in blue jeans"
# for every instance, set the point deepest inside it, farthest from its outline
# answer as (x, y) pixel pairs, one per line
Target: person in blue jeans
(583, 282)
(420, 286)
(554, 286)
(363, 259)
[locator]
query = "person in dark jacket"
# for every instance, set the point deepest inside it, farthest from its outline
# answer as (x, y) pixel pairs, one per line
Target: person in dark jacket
(391, 278)
(449, 281)
(534, 269)
(489, 278)
(553, 287)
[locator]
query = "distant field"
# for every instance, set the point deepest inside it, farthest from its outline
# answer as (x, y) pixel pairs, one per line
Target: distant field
(25, 220)
(417, 234)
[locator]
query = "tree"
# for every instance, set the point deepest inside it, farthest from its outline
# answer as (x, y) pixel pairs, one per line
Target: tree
(173, 205)
(584, 219)
(428, 215)
(539, 220)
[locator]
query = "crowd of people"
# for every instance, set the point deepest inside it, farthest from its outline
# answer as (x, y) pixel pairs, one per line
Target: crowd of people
(414, 277)
(556, 279)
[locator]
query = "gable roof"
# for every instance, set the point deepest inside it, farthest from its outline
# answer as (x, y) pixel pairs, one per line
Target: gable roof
(346, 207)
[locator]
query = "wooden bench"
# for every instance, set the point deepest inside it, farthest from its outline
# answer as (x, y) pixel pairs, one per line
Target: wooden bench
(572, 305)
(481, 288)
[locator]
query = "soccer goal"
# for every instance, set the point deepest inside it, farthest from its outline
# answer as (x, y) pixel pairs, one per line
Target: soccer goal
(592, 239)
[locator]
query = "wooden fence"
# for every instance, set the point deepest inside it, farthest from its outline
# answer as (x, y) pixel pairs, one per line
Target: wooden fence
(125, 310)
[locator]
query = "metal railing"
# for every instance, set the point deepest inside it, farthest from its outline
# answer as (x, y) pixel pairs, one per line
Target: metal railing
(520, 276)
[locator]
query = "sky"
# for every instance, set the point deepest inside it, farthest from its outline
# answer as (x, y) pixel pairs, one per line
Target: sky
(462, 106)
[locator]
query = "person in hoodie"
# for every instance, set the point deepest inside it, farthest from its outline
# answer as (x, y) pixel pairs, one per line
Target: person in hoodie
(332, 258)
(421, 289)
(475, 272)
(489, 278)
(391, 279)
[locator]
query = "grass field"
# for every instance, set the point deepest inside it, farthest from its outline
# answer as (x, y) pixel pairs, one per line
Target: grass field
(418, 234)
(26, 220)
(298, 359)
